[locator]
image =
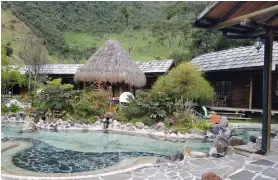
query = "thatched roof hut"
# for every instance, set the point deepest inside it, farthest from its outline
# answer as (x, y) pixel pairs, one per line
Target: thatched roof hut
(111, 63)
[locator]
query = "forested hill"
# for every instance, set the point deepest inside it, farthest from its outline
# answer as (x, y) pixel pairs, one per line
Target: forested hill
(73, 30)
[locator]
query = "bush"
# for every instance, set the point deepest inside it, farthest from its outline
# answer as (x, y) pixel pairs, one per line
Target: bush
(156, 106)
(91, 103)
(4, 109)
(145, 119)
(185, 82)
(56, 96)
(15, 108)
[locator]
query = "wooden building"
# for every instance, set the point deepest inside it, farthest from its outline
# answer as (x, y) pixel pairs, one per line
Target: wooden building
(152, 70)
(237, 77)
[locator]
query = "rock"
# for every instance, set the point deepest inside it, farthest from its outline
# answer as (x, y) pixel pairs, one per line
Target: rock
(29, 126)
(187, 151)
(173, 135)
(221, 143)
(17, 118)
(146, 127)
(177, 156)
(97, 123)
(273, 134)
(212, 151)
(160, 126)
(3, 137)
(59, 122)
(209, 135)
(161, 161)
(123, 126)
(198, 132)
(128, 124)
(210, 176)
(235, 141)
(227, 133)
(224, 123)
(22, 115)
(5, 118)
(139, 125)
(12, 115)
(196, 154)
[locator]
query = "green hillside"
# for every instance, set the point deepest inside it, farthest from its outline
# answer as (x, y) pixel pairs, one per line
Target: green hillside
(145, 47)
(14, 31)
(72, 31)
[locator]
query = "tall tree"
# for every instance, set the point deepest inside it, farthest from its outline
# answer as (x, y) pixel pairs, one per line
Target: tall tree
(34, 57)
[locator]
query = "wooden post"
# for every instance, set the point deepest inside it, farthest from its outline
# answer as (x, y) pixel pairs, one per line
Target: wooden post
(251, 92)
(267, 77)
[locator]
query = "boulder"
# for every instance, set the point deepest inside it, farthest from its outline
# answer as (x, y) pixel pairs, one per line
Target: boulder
(160, 126)
(3, 137)
(146, 127)
(198, 132)
(177, 156)
(212, 151)
(221, 143)
(235, 141)
(128, 124)
(5, 118)
(22, 115)
(227, 133)
(12, 115)
(273, 134)
(209, 135)
(187, 151)
(196, 154)
(59, 122)
(161, 161)
(139, 125)
(17, 118)
(224, 123)
(29, 126)
(97, 123)
(210, 176)
(252, 139)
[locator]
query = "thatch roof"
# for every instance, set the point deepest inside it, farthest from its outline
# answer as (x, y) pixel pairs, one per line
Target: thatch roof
(111, 63)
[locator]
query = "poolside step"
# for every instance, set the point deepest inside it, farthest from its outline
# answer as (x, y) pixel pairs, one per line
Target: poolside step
(239, 118)
(246, 149)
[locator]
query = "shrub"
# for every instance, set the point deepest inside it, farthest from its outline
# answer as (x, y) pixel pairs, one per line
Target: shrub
(4, 109)
(91, 103)
(145, 119)
(56, 96)
(156, 106)
(15, 108)
(185, 82)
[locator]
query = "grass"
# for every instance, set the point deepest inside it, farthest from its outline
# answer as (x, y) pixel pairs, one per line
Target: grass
(145, 47)
(14, 31)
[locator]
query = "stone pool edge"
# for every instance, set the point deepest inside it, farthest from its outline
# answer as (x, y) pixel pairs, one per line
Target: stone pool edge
(121, 167)
(77, 177)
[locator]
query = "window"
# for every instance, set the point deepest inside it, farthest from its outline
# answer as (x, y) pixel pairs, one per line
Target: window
(223, 88)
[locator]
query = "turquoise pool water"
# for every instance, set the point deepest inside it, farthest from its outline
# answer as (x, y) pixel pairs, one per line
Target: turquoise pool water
(68, 152)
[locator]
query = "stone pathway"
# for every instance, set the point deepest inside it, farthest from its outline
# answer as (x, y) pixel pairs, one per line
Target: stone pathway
(184, 170)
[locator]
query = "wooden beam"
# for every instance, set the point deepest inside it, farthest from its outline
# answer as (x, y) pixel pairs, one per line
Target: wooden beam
(251, 92)
(237, 20)
(235, 8)
(272, 18)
